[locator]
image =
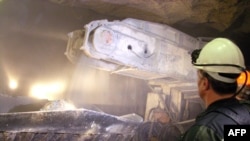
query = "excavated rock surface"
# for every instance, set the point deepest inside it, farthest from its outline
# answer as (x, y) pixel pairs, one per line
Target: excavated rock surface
(198, 18)
(207, 17)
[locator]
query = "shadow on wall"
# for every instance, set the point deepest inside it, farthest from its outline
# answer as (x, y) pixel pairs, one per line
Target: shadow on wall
(243, 41)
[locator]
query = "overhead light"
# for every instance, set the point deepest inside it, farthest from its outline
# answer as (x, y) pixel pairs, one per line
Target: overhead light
(50, 91)
(13, 84)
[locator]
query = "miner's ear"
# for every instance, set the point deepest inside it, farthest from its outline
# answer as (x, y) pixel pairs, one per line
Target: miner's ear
(204, 84)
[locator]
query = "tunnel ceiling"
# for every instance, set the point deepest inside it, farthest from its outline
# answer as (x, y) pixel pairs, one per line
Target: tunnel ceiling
(199, 18)
(196, 17)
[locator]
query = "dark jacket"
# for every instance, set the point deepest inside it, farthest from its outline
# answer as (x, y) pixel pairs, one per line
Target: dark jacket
(209, 125)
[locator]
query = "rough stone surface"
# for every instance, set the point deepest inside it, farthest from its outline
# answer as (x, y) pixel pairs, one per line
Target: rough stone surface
(218, 15)
(198, 18)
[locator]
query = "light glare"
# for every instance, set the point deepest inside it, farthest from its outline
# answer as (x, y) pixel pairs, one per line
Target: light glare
(13, 84)
(48, 91)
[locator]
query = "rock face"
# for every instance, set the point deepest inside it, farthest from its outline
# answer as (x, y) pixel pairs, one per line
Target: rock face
(198, 18)
(208, 17)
